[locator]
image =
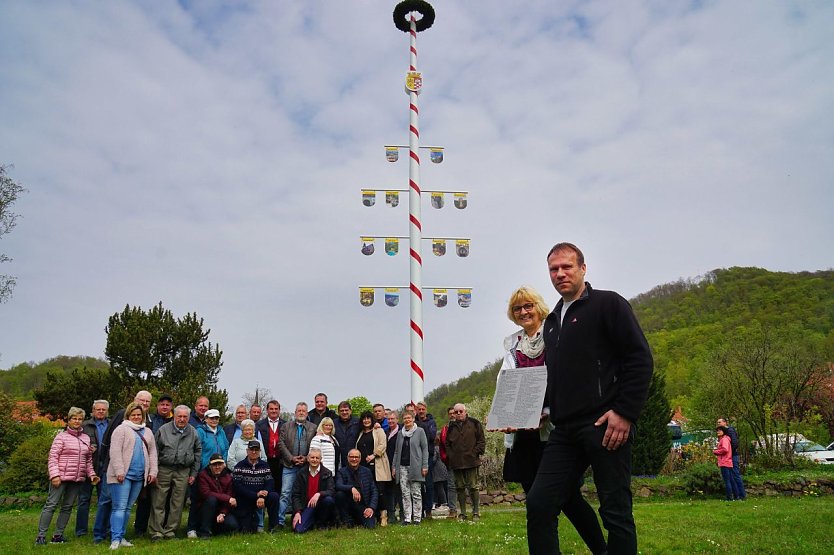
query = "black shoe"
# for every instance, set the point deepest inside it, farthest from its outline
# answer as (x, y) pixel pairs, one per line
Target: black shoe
(58, 538)
(40, 540)
(405, 523)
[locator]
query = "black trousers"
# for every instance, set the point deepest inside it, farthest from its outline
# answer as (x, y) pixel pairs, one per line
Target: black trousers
(571, 449)
(208, 520)
(247, 513)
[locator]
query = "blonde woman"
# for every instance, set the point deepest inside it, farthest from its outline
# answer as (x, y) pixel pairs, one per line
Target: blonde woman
(133, 464)
(326, 442)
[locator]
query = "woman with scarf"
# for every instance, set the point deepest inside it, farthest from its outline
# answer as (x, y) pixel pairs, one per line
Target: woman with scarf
(133, 464)
(70, 464)
(411, 465)
(523, 349)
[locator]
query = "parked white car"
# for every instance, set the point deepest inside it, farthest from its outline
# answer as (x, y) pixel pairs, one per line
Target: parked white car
(814, 451)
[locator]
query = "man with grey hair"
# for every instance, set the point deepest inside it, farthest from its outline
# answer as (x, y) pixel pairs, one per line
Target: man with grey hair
(465, 444)
(94, 427)
(105, 504)
(294, 445)
(179, 451)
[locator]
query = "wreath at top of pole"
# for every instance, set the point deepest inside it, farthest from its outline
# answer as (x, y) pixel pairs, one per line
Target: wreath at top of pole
(405, 7)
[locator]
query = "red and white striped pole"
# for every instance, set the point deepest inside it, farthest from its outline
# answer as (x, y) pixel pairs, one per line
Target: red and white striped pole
(415, 228)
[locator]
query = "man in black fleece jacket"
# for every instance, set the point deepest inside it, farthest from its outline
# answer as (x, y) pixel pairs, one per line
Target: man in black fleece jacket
(598, 370)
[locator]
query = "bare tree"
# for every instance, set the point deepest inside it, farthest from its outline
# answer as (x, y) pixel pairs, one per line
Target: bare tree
(9, 191)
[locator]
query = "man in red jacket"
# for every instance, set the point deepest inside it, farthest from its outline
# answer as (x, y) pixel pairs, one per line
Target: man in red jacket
(216, 499)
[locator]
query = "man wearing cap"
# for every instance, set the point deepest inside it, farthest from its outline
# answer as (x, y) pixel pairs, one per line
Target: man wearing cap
(254, 489)
(163, 413)
(213, 440)
(216, 500)
(179, 452)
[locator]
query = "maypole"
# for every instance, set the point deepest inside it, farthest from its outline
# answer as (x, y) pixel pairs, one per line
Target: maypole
(414, 82)
(406, 21)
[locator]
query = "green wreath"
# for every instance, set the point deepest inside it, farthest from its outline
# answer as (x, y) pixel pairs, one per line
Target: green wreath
(406, 7)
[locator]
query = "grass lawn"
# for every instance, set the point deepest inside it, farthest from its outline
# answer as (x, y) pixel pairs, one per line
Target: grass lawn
(759, 525)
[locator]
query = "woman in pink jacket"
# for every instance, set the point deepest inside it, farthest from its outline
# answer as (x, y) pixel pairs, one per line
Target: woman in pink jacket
(70, 464)
(133, 464)
(724, 454)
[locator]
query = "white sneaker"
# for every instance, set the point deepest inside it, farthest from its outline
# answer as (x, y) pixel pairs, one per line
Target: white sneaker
(192, 534)
(115, 545)
(125, 543)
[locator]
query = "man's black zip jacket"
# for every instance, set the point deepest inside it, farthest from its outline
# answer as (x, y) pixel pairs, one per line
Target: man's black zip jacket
(597, 360)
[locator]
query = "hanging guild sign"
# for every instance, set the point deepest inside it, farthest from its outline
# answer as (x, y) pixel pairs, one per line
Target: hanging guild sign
(438, 247)
(436, 155)
(367, 246)
(413, 82)
(366, 296)
(392, 296)
(368, 197)
(392, 198)
(464, 298)
(437, 200)
(440, 298)
(392, 246)
(460, 201)
(462, 247)
(392, 153)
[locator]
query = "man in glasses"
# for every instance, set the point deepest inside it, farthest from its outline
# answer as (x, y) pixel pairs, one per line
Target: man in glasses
(356, 494)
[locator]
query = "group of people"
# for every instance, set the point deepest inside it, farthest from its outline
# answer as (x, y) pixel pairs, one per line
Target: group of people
(323, 468)
(726, 453)
(326, 467)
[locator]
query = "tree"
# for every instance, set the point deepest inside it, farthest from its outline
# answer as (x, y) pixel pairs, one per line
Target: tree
(652, 441)
(78, 388)
(9, 191)
(767, 378)
(261, 396)
(154, 350)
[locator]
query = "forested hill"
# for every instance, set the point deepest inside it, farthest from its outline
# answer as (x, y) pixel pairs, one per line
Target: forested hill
(683, 320)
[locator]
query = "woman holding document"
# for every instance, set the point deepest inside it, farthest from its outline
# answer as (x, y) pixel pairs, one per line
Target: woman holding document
(525, 348)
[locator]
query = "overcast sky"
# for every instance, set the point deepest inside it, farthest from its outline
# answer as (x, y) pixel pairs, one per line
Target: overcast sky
(210, 156)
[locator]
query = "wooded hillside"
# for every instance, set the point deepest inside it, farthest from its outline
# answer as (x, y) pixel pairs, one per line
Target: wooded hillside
(683, 320)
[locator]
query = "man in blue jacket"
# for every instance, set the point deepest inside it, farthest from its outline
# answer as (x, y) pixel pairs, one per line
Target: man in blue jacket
(356, 495)
(598, 370)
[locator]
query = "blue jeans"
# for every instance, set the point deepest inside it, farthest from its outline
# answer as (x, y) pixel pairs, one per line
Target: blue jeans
(101, 528)
(124, 495)
(738, 483)
(287, 481)
(727, 476)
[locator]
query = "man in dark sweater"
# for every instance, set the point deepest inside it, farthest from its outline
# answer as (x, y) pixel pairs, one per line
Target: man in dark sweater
(254, 489)
(320, 410)
(313, 495)
(346, 429)
(598, 370)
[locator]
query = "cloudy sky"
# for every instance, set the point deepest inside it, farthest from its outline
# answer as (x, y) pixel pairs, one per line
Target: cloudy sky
(210, 155)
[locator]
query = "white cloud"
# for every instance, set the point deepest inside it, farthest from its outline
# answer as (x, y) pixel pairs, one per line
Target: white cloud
(211, 156)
